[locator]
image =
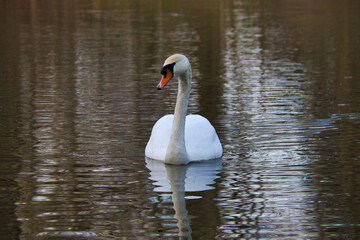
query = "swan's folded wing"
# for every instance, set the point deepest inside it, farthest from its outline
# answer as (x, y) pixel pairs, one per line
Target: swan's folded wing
(201, 140)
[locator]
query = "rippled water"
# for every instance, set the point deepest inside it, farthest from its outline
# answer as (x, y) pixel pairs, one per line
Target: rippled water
(279, 80)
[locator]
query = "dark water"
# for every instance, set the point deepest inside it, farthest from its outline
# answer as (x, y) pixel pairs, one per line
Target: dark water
(279, 80)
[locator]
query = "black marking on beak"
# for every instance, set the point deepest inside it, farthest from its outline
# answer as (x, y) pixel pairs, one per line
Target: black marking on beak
(168, 66)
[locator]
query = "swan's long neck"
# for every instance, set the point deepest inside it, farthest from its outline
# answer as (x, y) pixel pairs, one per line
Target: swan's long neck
(176, 152)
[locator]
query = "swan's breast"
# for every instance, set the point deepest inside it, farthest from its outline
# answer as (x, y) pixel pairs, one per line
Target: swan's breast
(160, 137)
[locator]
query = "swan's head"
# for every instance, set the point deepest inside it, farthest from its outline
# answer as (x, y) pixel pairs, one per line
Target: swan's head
(175, 65)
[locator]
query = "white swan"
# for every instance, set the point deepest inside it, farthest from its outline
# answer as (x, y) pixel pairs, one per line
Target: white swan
(180, 139)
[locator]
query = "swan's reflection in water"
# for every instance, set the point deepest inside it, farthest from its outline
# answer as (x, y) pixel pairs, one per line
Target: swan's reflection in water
(179, 179)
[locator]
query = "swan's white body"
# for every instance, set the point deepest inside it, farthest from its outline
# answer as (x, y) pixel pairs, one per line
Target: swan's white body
(180, 139)
(201, 140)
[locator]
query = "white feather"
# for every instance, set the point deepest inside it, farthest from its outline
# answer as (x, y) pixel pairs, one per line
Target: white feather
(192, 138)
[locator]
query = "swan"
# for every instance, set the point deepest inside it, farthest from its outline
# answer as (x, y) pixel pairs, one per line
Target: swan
(176, 138)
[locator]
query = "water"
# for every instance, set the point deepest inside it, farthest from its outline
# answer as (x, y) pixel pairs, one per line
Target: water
(279, 80)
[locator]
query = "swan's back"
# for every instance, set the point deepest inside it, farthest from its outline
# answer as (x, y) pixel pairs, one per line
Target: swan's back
(201, 140)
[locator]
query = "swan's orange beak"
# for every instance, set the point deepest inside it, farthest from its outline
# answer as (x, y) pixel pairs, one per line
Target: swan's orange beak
(165, 79)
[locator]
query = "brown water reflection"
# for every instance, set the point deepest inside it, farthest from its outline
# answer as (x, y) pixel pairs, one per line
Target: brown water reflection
(279, 80)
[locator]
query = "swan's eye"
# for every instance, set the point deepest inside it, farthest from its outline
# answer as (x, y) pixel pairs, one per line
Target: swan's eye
(169, 67)
(163, 71)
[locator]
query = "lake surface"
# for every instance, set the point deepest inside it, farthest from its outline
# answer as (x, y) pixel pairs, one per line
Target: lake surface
(279, 80)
